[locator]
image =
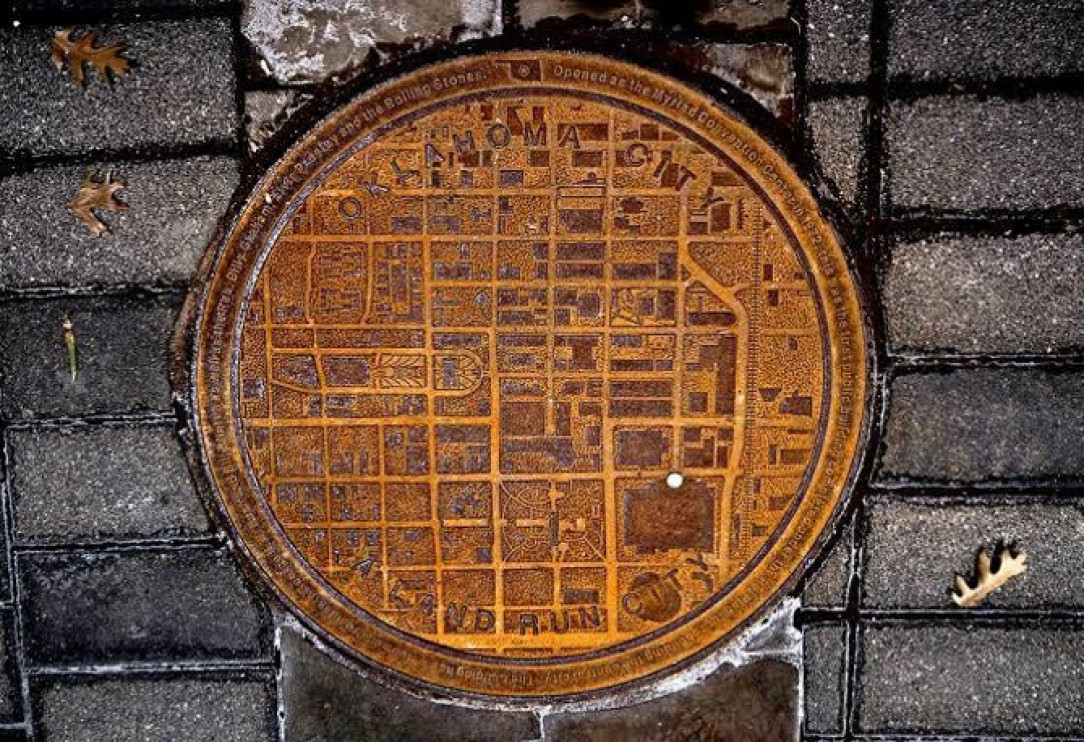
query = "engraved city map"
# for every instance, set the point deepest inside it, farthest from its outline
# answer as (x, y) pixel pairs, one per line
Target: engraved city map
(482, 343)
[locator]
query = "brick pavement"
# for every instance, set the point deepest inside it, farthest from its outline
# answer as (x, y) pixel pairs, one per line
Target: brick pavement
(949, 140)
(968, 221)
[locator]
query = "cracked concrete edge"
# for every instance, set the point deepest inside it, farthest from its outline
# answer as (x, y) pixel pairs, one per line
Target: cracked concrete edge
(266, 111)
(348, 43)
(763, 71)
(776, 631)
(277, 618)
(298, 43)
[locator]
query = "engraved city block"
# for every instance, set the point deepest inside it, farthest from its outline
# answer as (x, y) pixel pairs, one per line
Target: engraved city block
(547, 374)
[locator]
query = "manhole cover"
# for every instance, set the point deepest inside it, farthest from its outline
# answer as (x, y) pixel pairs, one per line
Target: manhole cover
(530, 374)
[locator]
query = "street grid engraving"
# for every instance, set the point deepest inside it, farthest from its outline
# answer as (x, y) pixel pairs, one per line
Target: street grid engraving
(482, 343)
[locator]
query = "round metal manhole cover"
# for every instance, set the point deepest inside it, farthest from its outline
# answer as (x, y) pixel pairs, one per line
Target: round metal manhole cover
(530, 374)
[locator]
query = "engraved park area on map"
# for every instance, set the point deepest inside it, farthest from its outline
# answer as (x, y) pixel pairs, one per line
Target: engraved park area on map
(530, 374)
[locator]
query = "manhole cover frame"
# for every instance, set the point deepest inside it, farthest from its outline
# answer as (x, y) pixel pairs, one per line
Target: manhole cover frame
(221, 467)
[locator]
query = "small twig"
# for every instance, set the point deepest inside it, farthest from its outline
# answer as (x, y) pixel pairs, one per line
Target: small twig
(71, 348)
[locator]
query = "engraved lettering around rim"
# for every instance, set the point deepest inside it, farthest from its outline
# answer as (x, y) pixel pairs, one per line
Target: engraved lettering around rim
(534, 285)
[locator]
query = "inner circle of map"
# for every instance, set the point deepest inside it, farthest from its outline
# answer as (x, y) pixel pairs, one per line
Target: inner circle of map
(481, 340)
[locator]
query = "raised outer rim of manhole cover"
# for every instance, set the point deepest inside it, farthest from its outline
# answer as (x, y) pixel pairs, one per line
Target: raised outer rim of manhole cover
(217, 305)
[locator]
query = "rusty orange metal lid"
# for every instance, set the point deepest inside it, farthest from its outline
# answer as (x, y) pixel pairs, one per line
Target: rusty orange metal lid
(530, 374)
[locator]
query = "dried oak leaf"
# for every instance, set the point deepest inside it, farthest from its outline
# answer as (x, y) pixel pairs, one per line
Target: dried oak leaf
(991, 572)
(96, 192)
(106, 60)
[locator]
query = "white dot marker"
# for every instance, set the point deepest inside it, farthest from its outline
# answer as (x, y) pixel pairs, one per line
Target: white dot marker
(674, 480)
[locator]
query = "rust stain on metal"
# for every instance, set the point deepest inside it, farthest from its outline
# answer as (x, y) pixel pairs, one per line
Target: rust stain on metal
(531, 374)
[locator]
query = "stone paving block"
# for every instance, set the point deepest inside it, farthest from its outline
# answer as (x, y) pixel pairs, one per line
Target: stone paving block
(763, 71)
(303, 41)
(711, 14)
(11, 704)
(985, 38)
(976, 425)
(178, 604)
(773, 635)
(180, 90)
(106, 7)
(823, 667)
(101, 482)
(837, 129)
(913, 550)
(14, 734)
(827, 588)
(327, 701)
(267, 111)
(553, 13)
(122, 348)
(173, 209)
(837, 34)
(965, 153)
(236, 708)
(939, 679)
(754, 703)
(717, 14)
(986, 294)
(5, 580)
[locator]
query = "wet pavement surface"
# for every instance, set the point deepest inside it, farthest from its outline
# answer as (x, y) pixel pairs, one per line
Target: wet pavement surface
(944, 140)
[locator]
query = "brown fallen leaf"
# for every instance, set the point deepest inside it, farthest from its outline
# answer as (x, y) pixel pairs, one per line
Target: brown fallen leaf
(96, 192)
(106, 60)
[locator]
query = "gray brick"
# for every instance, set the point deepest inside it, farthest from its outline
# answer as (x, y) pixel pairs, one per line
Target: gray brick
(11, 694)
(324, 700)
(823, 666)
(975, 680)
(837, 32)
(122, 356)
(913, 550)
(975, 425)
(827, 588)
(104, 7)
(179, 91)
(754, 703)
(986, 38)
(964, 153)
(183, 604)
(303, 41)
(174, 206)
(147, 709)
(5, 580)
(837, 128)
(986, 295)
(101, 482)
